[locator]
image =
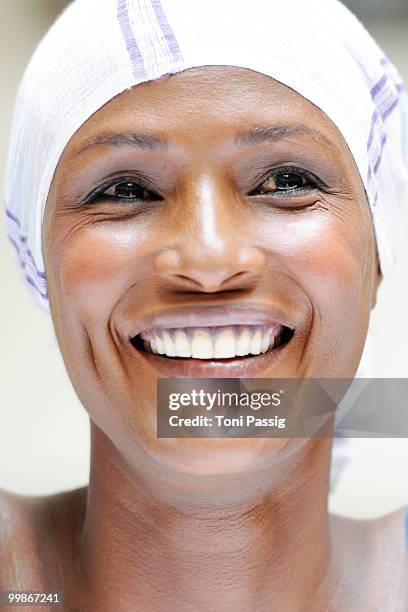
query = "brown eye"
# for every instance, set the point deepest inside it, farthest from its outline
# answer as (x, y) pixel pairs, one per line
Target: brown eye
(288, 181)
(128, 190)
(285, 181)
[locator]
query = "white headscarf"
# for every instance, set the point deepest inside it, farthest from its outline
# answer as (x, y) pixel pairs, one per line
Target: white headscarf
(99, 48)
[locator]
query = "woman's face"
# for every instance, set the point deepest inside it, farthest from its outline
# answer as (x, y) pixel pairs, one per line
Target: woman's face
(216, 195)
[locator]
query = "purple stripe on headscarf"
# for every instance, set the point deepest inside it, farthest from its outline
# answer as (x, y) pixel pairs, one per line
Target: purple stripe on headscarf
(34, 283)
(167, 31)
(384, 61)
(378, 86)
(387, 95)
(26, 262)
(380, 154)
(389, 110)
(373, 169)
(375, 117)
(390, 89)
(130, 40)
(11, 216)
(383, 114)
(24, 259)
(373, 166)
(26, 254)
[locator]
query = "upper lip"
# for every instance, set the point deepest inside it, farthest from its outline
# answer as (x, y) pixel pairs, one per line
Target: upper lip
(244, 313)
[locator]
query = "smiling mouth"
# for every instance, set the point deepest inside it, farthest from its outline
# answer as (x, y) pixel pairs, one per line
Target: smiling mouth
(220, 343)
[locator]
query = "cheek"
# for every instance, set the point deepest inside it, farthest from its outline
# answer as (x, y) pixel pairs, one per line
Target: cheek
(98, 263)
(327, 255)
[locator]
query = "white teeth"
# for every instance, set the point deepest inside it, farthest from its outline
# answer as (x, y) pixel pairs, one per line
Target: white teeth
(267, 341)
(161, 347)
(256, 343)
(152, 347)
(224, 345)
(244, 342)
(170, 349)
(182, 344)
(202, 345)
(211, 342)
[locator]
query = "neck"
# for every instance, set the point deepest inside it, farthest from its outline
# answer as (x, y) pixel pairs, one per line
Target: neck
(141, 547)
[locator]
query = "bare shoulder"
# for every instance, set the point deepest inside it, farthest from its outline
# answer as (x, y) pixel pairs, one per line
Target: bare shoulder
(34, 532)
(386, 532)
(392, 525)
(367, 550)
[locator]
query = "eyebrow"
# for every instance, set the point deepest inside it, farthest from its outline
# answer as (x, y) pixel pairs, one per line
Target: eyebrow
(126, 139)
(253, 136)
(258, 135)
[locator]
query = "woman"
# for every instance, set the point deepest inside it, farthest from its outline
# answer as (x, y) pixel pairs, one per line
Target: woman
(184, 179)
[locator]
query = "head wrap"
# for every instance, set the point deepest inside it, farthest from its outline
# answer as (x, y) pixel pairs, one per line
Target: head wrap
(99, 48)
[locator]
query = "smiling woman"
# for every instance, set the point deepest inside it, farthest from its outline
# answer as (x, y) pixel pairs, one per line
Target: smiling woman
(220, 210)
(204, 197)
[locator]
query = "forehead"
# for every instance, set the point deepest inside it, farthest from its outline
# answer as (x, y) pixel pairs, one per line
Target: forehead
(209, 102)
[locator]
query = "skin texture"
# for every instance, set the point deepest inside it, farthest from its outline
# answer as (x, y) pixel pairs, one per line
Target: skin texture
(211, 524)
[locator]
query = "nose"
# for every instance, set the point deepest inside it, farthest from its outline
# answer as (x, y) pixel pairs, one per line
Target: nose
(210, 249)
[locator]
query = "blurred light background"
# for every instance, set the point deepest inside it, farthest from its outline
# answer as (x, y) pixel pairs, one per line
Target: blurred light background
(44, 432)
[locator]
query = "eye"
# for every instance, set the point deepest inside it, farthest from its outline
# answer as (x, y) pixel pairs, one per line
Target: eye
(125, 191)
(288, 181)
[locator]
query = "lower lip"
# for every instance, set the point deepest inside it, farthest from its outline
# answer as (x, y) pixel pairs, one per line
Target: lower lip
(243, 367)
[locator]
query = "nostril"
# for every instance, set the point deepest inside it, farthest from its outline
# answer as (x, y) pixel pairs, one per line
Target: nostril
(212, 282)
(189, 267)
(184, 279)
(243, 280)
